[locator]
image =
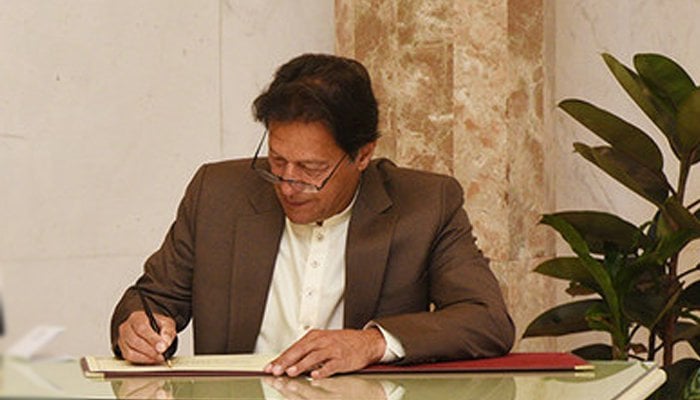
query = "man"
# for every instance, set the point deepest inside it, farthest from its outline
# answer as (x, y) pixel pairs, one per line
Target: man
(317, 251)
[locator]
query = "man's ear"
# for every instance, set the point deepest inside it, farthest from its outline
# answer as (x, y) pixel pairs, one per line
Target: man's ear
(364, 155)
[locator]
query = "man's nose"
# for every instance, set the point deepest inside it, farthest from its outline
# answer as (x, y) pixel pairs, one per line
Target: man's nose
(288, 189)
(289, 171)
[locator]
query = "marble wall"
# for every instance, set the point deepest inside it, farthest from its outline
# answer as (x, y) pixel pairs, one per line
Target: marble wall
(106, 110)
(460, 85)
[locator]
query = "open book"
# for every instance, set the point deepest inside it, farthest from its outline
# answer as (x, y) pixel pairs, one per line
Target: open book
(253, 364)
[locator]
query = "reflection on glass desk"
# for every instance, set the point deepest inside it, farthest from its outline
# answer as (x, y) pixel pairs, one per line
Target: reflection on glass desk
(609, 380)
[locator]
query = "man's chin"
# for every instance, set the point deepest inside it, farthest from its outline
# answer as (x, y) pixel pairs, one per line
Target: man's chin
(304, 212)
(302, 221)
(300, 218)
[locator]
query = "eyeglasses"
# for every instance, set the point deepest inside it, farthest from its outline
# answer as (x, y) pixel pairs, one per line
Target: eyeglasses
(298, 185)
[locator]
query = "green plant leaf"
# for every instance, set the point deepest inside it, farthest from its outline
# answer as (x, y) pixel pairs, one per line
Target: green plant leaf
(644, 307)
(683, 219)
(691, 391)
(601, 229)
(578, 289)
(673, 244)
(659, 226)
(663, 74)
(685, 331)
(668, 246)
(670, 304)
(570, 269)
(659, 111)
(674, 229)
(621, 135)
(689, 127)
(594, 352)
(600, 319)
(651, 185)
(688, 332)
(690, 297)
(562, 320)
(595, 268)
(567, 268)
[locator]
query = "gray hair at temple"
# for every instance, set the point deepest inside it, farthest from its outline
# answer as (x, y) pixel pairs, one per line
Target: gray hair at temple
(335, 91)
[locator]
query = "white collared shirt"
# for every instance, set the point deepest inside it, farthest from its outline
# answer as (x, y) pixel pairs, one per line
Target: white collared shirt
(308, 285)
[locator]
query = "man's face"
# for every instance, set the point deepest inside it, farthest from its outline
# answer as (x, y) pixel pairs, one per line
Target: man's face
(307, 152)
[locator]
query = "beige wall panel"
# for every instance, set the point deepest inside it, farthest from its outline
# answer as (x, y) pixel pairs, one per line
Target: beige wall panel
(106, 110)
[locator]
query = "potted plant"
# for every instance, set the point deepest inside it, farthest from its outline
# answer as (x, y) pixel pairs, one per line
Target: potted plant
(631, 270)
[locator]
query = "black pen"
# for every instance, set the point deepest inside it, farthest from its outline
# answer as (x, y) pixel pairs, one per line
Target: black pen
(153, 323)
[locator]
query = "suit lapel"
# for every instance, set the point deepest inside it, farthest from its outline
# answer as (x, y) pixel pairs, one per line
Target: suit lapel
(369, 239)
(257, 238)
(257, 241)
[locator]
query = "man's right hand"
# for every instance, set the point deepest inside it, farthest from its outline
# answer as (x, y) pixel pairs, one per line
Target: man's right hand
(139, 344)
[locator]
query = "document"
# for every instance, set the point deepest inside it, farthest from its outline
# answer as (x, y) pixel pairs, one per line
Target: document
(201, 365)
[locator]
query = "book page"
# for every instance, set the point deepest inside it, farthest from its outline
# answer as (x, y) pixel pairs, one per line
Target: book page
(223, 362)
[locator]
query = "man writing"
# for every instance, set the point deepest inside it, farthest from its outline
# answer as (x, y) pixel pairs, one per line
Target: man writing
(318, 252)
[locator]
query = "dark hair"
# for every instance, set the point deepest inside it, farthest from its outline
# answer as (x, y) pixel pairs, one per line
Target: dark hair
(335, 91)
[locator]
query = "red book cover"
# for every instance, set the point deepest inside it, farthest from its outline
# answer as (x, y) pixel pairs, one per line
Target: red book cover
(510, 362)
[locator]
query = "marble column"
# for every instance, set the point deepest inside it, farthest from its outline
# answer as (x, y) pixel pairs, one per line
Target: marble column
(460, 86)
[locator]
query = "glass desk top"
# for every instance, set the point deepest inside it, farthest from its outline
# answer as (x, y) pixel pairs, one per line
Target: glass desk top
(609, 380)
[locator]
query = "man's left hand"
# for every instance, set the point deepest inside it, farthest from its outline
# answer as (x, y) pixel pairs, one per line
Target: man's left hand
(326, 352)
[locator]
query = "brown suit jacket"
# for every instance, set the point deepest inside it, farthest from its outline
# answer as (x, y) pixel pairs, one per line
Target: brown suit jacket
(409, 245)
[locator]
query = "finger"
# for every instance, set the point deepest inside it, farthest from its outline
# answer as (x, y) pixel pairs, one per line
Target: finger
(133, 341)
(159, 342)
(144, 337)
(327, 369)
(311, 361)
(291, 356)
(135, 349)
(168, 332)
(167, 326)
(137, 357)
(139, 324)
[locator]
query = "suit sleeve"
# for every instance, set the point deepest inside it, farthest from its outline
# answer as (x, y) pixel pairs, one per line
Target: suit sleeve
(470, 319)
(167, 276)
